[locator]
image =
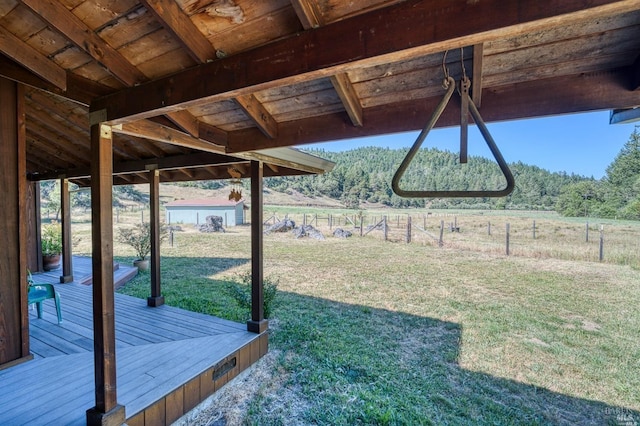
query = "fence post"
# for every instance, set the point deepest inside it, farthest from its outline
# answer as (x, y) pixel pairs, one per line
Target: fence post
(384, 225)
(361, 224)
(507, 239)
(601, 242)
(440, 242)
(408, 229)
(304, 220)
(534, 229)
(141, 216)
(424, 221)
(171, 237)
(488, 228)
(330, 220)
(587, 232)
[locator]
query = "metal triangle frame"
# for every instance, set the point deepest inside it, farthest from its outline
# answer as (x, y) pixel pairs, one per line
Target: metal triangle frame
(450, 85)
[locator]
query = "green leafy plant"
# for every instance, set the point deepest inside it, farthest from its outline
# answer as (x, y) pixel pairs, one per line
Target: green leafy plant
(51, 240)
(241, 292)
(139, 238)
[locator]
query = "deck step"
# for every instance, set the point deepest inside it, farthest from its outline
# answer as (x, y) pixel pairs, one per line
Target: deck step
(120, 277)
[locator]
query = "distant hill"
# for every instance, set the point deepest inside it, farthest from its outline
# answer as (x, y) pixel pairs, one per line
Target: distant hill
(364, 175)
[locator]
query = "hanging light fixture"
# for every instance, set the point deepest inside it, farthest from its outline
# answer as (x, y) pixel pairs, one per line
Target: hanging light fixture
(235, 183)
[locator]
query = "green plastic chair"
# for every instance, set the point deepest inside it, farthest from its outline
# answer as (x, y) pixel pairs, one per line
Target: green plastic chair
(38, 293)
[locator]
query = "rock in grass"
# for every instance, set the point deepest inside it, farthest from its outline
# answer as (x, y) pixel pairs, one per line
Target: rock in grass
(341, 233)
(282, 226)
(212, 224)
(308, 231)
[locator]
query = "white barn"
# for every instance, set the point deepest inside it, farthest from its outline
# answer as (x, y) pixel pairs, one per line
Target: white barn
(195, 211)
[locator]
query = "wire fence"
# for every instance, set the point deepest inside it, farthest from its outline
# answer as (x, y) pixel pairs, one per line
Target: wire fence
(610, 242)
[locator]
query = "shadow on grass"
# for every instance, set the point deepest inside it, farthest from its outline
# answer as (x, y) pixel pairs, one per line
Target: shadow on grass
(351, 364)
(186, 284)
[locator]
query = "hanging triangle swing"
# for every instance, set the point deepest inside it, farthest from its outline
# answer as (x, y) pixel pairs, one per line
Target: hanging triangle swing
(466, 102)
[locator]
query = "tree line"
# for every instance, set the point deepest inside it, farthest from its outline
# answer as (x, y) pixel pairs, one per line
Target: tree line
(617, 195)
(364, 175)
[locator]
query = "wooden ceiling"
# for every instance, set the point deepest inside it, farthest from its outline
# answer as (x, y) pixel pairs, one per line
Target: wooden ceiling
(192, 86)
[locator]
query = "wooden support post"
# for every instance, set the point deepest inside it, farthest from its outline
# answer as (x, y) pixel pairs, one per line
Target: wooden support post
(440, 240)
(257, 324)
(67, 255)
(330, 220)
(361, 224)
(107, 410)
(507, 240)
(601, 251)
(14, 315)
(408, 229)
(156, 298)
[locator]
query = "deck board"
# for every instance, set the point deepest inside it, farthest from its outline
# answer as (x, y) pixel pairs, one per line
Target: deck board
(157, 351)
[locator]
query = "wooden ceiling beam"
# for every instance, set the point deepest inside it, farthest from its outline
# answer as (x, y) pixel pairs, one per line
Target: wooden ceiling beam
(258, 114)
(150, 130)
(398, 32)
(186, 121)
(559, 95)
(63, 110)
(63, 20)
(308, 13)
(178, 23)
(212, 134)
(78, 89)
(32, 60)
(476, 80)
(311, 17)
(348, 96)
(138, 166)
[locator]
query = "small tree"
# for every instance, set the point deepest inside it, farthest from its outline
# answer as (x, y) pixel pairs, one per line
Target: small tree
(139, 238)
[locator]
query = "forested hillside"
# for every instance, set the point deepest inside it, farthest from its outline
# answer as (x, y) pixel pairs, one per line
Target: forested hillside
(364, 175)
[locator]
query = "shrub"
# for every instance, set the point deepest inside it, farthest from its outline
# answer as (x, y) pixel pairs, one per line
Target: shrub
(241, 293)
(51, 240)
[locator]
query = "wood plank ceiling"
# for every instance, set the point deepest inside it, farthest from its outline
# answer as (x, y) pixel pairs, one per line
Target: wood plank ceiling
(178, 78)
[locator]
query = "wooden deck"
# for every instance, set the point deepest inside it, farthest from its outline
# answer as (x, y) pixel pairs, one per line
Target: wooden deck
(168, 360)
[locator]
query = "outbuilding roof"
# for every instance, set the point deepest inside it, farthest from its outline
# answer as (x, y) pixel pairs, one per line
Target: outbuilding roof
(204, 202)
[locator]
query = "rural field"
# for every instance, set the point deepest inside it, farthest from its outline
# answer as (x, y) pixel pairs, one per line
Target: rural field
(368, 331)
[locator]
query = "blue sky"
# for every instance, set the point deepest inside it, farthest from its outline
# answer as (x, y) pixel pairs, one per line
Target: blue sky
(584, 144)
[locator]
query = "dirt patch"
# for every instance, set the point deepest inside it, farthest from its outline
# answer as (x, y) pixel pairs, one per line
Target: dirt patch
(264, 380)
(229, 405)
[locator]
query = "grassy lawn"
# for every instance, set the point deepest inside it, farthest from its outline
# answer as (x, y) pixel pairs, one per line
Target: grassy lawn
(373, 332)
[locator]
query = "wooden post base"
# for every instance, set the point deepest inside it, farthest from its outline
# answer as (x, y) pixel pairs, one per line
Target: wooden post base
(115, 417)
(66, 279)
(257, 326)
(155, 301)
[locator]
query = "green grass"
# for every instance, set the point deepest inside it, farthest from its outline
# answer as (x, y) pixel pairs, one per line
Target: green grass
(373, 332)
